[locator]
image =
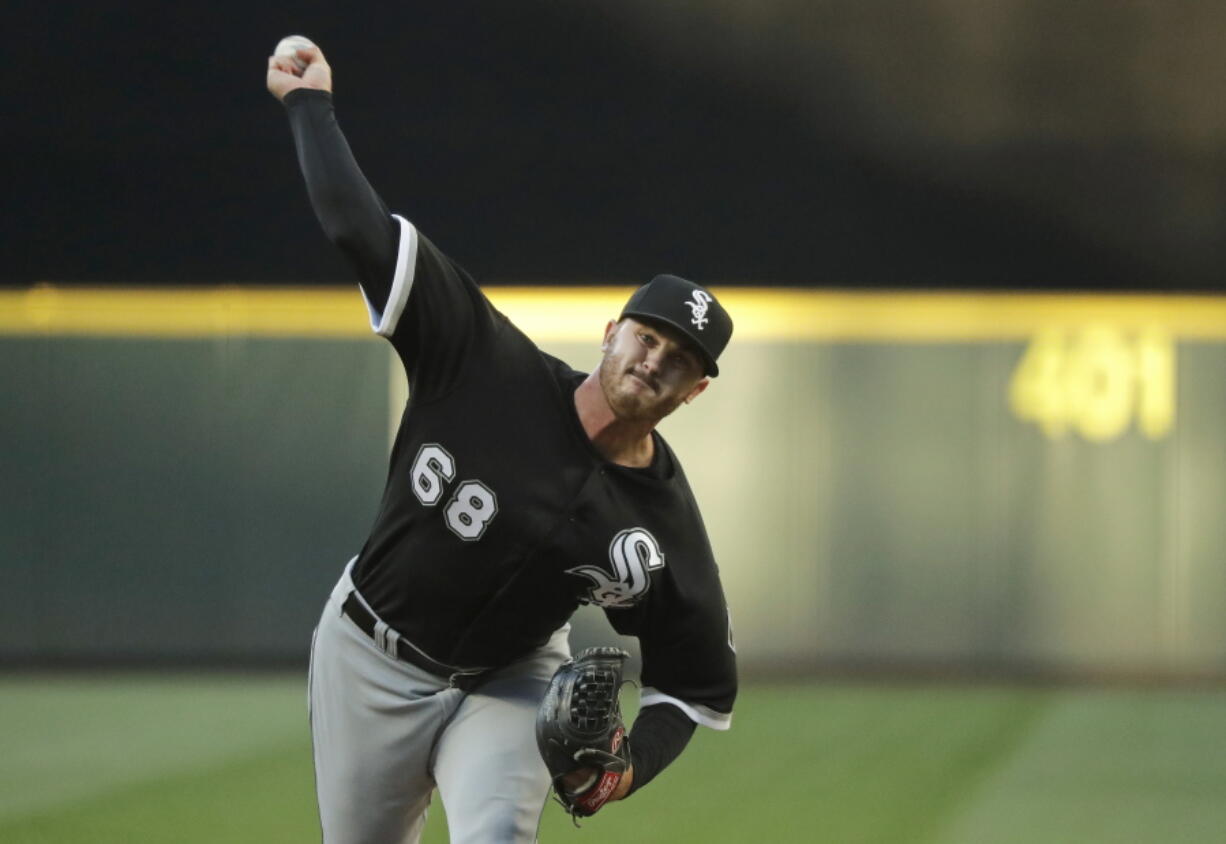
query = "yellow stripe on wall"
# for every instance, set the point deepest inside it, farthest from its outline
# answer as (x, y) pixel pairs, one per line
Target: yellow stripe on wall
(579, 313)
(329, 312)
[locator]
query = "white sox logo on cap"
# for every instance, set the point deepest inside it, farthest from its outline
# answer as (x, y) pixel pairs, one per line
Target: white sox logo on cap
(698, 307)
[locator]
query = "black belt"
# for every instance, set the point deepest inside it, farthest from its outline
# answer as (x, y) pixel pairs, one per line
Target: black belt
(463, 679)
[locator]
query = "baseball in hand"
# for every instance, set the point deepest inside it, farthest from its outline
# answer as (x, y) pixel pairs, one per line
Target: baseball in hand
(288, 47)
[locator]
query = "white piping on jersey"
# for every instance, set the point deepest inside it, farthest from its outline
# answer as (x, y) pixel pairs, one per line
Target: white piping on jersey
(698, 713)
(384, 324)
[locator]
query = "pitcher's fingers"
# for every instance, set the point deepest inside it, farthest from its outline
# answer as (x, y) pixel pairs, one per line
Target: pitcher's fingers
(311, 54)
(284, 64)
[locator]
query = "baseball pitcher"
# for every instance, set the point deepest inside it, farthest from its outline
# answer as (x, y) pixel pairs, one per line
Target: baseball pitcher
(518, 489)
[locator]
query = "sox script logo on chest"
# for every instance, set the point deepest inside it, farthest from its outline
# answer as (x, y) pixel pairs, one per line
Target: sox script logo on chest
(634, 553)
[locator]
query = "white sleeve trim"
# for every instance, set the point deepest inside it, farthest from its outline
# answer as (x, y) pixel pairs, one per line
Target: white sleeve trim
(704, 715)
(384, 324)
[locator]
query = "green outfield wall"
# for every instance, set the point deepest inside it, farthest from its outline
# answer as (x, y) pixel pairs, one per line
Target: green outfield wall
(1027, 483)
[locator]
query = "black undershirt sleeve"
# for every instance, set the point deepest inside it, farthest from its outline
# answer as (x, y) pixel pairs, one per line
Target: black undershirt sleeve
(658, 736)
(351, 213)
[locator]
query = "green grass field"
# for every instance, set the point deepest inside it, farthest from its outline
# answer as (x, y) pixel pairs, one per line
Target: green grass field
(211, 758)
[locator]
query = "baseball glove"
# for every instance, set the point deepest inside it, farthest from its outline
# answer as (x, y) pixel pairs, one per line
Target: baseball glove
(579, 728)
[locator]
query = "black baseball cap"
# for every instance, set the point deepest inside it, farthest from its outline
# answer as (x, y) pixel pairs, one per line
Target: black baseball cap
(690, 309)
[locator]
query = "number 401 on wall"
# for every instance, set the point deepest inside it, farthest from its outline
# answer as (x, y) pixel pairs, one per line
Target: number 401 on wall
(1096, 380)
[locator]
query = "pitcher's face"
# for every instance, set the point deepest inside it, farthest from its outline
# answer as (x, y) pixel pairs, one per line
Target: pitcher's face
(648, 370)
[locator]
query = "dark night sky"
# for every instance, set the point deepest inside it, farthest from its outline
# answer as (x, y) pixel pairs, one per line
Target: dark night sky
(536, 142)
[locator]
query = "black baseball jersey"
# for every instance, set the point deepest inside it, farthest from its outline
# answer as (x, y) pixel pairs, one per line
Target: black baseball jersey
(500, 517)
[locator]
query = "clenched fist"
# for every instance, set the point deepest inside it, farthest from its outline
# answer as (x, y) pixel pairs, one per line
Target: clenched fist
(285, 74)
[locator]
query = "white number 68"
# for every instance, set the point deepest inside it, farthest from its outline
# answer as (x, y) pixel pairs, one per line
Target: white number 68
(472, 505)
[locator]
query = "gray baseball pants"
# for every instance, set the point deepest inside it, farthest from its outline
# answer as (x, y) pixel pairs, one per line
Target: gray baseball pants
(387, 733)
